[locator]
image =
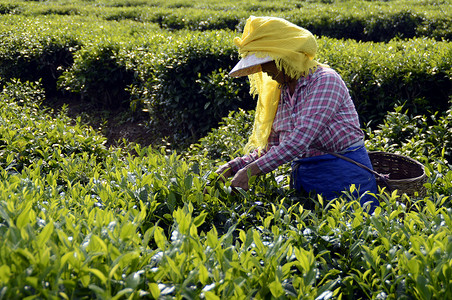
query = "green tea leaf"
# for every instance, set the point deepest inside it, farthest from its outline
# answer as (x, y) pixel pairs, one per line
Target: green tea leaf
(24, 217)
(188, 182)
(99, 275)
(413, 266)
(212, 238)
(203, 274)
(5, 273)
(154, 289)
(199, 220)
(258, 242)
(423, 287)
(211, 296)
(93, 287)
(99, 243)
(430, 206)
(122, 293)
(33, 281)
(174, 267)
(127, 231)
(276, 288)
(26, 255)
(304, 257)
(45, 234)
(112, 272)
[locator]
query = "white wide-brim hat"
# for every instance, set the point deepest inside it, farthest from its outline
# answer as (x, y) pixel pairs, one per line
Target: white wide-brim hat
(248, 65)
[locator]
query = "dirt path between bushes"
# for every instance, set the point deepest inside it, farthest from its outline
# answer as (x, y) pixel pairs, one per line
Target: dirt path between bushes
(116, 125)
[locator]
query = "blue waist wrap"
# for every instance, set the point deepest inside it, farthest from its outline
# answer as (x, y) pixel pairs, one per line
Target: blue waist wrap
(328, 175)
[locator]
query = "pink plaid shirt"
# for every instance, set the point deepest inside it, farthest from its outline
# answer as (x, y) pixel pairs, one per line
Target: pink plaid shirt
(322, 116)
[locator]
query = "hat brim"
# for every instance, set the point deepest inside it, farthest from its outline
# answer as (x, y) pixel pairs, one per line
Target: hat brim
(249, 65)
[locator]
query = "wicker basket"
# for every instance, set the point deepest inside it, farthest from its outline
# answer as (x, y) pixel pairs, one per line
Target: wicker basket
(405, 174)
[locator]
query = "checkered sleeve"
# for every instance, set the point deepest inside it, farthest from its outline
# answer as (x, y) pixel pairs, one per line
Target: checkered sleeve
(240, 162)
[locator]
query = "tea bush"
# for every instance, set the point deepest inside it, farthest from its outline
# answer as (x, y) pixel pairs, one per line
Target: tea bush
(28, 136)
(363, 20)
(98, 74)
(90, 48)
(341, 22)
(8, 8)
(198, 19)
(186, 88)
(32, 52)
(181, 77)
(368, 21)
(227, 140)
(416, 73)
(78, 220)
(414, 133)
(84, 222)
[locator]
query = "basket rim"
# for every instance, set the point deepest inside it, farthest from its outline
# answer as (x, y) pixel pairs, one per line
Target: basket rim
(408, 180)
(412, 160)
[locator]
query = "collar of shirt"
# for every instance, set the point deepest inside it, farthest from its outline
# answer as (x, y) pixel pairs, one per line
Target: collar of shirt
(301, 83)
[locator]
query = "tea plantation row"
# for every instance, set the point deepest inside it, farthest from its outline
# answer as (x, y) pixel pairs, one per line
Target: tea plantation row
(78, 220)
(181, 77)
(360, 20)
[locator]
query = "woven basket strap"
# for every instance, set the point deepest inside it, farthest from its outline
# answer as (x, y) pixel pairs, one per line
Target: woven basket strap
(380, 176)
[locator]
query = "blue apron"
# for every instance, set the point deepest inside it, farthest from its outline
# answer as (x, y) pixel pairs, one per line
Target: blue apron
(329, 175)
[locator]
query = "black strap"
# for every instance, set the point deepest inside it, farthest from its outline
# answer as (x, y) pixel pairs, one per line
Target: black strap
(381, 177)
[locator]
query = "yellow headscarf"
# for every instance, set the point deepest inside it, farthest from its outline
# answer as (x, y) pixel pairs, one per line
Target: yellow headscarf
(292, 48)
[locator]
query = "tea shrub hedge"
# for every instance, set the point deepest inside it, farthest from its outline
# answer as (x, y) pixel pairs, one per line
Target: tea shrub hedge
(78, 220)
(33, 52)
(360, 20)
(347, 21)
(180, 77)
(108, 224)
(402, 131)
(31, 136)
(44, 48)
(226, 141)
(415, 72)
(186, 89)
(99, 74)
(378, 76)
(8, 8)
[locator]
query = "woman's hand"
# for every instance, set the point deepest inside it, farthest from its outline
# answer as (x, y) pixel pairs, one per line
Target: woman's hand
(241, 178)
(224, 171)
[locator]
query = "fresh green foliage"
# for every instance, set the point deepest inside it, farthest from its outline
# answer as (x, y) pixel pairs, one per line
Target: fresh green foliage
(32, 52)
(80, 221)
(29, 137)
(181, 77)
(226, 141)
(377, 21)
(416, 73)
(401, 131)
(186, 89)
(360, 20)
(84, 222)
(74, 54)
(99, 75)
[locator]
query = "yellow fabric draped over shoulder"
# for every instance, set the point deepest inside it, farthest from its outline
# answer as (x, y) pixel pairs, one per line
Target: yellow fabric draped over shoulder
(292, 48)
